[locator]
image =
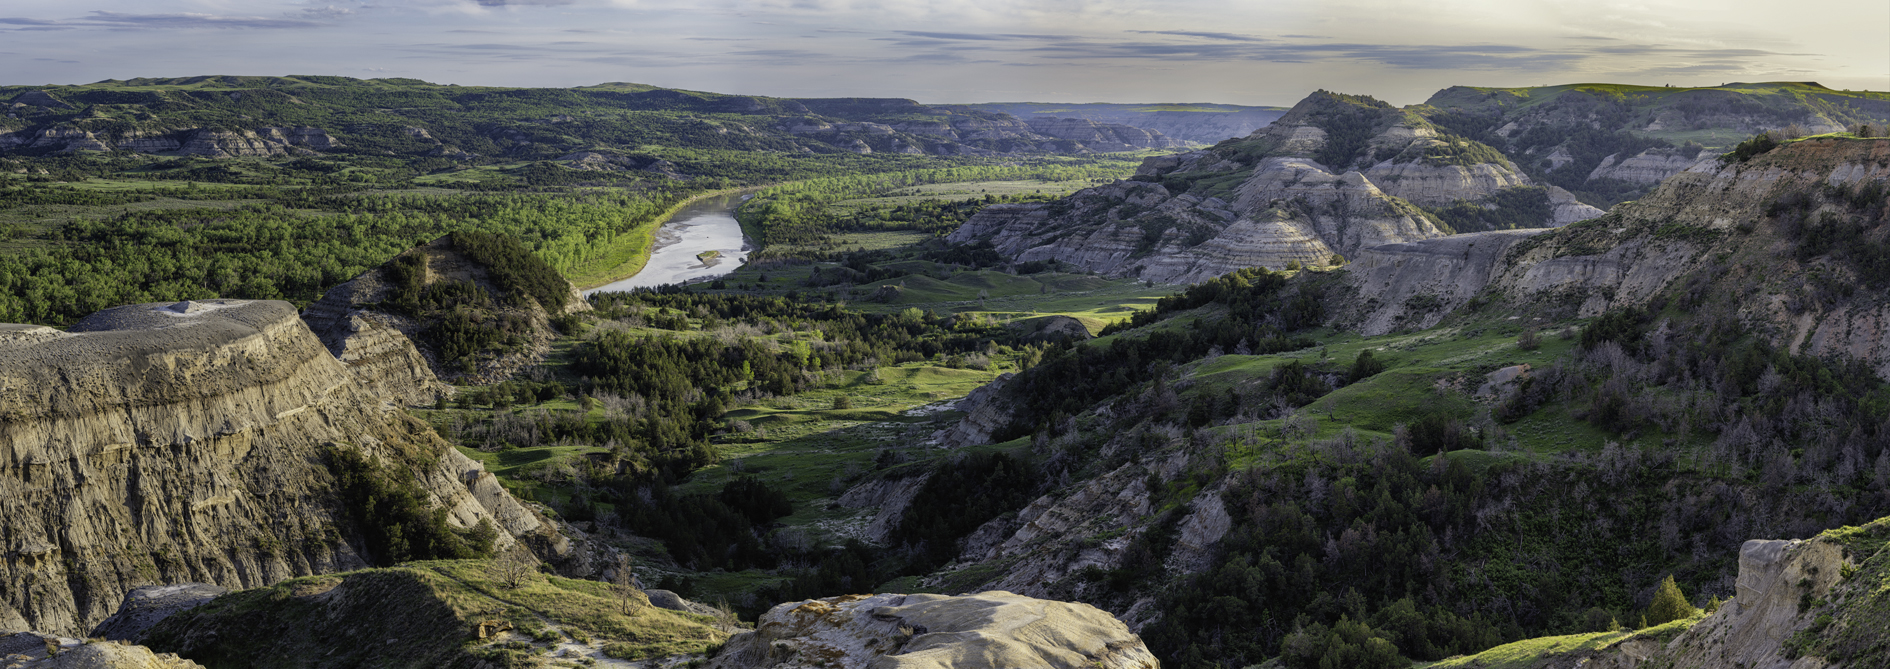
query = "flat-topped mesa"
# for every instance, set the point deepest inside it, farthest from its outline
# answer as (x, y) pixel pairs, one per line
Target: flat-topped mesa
(1336, 175)
(181, 442)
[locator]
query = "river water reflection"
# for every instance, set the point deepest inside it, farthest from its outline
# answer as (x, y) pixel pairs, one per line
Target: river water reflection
(706, 225)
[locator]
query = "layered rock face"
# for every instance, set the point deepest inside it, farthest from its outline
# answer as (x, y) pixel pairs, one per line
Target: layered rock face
(1103, 136)
(1719, 228)
(167, 443)
(1648, 167)
(1267, 200)
(260, 142)
(984, 414)
(1776, 579)
(1413, 286)
(986, 630)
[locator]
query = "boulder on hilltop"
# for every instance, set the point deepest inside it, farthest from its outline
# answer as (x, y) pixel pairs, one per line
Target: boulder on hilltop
(984, 630)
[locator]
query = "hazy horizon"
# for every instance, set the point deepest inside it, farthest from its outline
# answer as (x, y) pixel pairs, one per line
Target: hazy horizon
(980, 51)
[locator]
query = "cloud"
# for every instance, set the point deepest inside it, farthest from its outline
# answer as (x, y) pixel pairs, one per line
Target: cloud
(328, 12)
(508, 3)
(1231, 37)
(951, 36)
(190, 21)
(13, 21)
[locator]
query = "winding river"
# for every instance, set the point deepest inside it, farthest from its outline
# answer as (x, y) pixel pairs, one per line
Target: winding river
(682, 245)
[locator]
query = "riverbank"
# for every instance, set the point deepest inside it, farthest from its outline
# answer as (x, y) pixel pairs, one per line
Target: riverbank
(631, 252)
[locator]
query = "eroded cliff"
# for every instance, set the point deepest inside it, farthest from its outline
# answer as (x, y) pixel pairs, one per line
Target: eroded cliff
(167, 443)
(1753, 239)
(1336, 175)
(387, 325)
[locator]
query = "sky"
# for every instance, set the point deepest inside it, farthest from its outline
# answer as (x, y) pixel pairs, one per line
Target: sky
(1253, 52)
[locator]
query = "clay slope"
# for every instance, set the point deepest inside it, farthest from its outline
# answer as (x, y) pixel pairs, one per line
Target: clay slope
(166, 443)
(1783, 242)
(395, 347)
(1336, 175)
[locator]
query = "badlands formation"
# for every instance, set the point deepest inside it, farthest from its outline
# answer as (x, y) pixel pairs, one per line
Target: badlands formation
(185, 442)
(1336, 175)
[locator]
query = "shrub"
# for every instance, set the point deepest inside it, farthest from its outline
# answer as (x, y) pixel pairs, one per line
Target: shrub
(842, 402)
(1759, 144)
(1364, 366)
(1669, 604)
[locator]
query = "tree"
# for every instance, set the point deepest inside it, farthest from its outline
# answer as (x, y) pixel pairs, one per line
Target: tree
(512, 568)
(624, 583)
(1669, 604)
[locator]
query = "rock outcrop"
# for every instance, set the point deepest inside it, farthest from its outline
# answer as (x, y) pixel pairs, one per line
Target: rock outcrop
(1414, 286)
(384, 347)
(1810, 604)
(1689, 229)
(985, 414)
(382, 358)
(1102, 136)
(210, 143)
(888, 497)
(1777, 579)
(1648, 167)
(32, 650)
(171, 443)
(988, 630)
(147, 606)
(1267, 200)
(1047, 541)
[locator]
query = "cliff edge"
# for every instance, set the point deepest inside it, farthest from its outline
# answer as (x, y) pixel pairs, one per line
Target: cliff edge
(185, 442)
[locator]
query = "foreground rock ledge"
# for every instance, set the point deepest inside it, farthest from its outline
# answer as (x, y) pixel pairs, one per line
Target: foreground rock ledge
(985, 630)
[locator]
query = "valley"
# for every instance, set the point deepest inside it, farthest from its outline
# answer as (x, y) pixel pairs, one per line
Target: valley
(590, 376)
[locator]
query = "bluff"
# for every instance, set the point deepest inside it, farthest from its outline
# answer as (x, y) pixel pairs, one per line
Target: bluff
(1613, 142)
(187, 442)
(593, 127)
(1335, 175)
(1785, 243)
(1197, 122)
(469, 307)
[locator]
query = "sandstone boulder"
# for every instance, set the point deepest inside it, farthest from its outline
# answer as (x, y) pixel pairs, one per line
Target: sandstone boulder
(664, 599)
(985, 630)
